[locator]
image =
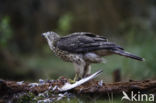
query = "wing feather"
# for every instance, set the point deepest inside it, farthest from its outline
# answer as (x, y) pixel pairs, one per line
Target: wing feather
(82, 42)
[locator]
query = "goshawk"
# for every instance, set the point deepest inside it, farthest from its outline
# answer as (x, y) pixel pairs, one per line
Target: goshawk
(83, 49)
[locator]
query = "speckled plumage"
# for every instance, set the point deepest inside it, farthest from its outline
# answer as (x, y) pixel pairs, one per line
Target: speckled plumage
(83, 48)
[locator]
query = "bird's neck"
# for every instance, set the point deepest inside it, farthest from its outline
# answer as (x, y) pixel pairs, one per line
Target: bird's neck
(52, 43)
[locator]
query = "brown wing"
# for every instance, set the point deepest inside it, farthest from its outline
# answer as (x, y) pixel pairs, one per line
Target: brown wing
(82, 42)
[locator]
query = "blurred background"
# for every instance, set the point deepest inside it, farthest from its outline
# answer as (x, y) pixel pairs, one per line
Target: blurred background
(25, 55)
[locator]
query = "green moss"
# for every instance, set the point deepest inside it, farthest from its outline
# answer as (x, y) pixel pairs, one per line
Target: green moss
(27, 98)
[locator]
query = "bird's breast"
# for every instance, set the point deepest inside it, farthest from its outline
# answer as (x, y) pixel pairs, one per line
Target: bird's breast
(68, 57)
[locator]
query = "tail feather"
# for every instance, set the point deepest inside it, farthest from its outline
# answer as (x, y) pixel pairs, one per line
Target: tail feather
(127, 54)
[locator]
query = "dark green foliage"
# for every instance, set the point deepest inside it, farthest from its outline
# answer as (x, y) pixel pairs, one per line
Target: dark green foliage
(65, 23)
(5, 32)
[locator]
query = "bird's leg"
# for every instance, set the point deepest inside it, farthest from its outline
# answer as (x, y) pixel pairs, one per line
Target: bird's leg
(78, 72)
(82, 71)
(79, 69)
(87, 70)
(76, 78)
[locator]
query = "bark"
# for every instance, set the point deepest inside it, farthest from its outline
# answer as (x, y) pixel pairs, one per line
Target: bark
(9, 88)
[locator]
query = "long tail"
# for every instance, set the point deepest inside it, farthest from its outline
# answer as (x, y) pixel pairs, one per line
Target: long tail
(127, 54)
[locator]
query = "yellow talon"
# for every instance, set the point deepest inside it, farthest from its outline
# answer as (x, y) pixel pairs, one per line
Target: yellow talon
(74, 80)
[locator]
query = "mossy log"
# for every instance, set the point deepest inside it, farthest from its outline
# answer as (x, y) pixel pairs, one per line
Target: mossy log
(8, 88)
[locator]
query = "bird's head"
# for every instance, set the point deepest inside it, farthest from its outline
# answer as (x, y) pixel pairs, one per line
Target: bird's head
(50, 36)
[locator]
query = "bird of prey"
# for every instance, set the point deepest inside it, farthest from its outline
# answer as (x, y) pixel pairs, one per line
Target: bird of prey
(83, 49)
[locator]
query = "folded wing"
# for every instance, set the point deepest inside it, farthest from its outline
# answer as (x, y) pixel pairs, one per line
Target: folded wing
(82, 42)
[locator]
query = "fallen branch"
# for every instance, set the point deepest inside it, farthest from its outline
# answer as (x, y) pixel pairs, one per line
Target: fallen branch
(97, 87)
(10, 88)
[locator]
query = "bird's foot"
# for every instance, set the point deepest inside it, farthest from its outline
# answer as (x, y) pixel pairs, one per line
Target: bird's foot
(71, 81)
(74, 80)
